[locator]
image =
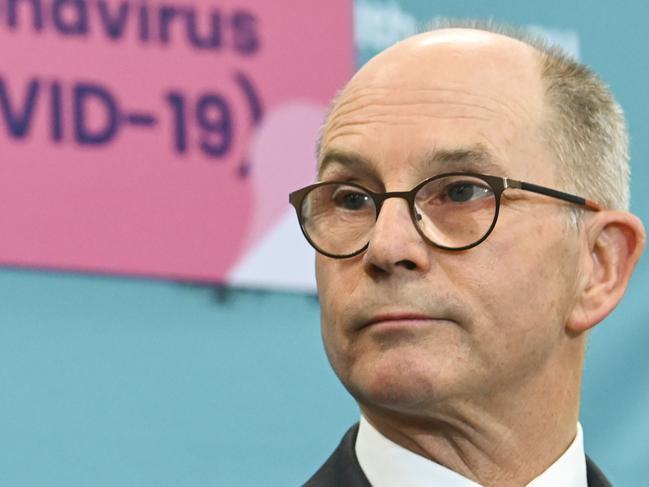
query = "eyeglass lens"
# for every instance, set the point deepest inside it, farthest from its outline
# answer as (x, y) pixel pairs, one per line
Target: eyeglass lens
(451, 211)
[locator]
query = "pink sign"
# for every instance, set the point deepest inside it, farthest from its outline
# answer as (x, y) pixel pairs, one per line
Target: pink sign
(160, 138)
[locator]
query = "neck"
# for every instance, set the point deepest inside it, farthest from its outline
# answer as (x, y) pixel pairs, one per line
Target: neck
(504, 440)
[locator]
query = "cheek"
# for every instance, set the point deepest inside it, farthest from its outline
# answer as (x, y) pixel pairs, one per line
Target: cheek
(332, 298)
(326, 283)
(524, 300)
(340, 291)
(337, 281)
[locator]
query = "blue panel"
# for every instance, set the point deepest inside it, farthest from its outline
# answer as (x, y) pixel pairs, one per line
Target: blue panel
(126, 382)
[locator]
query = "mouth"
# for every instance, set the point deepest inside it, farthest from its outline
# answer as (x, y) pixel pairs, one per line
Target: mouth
(397, 321)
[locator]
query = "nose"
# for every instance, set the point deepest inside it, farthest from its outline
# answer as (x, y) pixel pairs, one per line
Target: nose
(395, 244)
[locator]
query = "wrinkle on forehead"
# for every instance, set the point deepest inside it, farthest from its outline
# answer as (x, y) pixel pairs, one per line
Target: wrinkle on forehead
(423, 101)
(358, 95)
(393, 108)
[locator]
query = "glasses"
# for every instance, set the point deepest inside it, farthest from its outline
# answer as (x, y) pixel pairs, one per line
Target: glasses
(451, 211)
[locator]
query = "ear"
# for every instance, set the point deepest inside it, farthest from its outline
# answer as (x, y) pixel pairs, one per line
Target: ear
(615, 241)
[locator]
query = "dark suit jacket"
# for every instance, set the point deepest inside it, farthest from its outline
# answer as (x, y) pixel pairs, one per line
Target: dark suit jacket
(343, 470)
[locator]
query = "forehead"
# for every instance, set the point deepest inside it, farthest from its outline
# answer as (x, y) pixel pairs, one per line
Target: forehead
(435, 104)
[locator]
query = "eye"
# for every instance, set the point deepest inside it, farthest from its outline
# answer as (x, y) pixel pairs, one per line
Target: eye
(350, 199)
(463, 191)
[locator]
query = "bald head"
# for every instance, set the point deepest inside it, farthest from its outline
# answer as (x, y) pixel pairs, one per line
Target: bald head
(465, 51)
(474, 59)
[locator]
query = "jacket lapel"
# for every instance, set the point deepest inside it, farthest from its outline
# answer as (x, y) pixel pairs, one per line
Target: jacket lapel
(342, 467)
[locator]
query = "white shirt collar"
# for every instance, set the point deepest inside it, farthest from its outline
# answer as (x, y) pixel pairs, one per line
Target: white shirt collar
(387, 464)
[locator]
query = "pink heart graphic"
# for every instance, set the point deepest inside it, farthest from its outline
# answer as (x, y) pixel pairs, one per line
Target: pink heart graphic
(282, 160)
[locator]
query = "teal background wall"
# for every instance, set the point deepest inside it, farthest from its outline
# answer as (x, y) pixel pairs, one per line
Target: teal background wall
(128, 382)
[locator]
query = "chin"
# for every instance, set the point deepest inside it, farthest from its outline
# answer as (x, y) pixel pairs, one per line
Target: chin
(400, 382)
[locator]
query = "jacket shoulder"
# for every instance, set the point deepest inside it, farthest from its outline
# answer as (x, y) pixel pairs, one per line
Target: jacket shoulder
(342, 467)
(594, 475)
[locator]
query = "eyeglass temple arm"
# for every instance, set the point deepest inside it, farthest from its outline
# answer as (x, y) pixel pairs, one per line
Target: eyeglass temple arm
(592, 205)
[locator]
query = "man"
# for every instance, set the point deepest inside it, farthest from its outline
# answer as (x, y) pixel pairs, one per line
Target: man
(471, 229)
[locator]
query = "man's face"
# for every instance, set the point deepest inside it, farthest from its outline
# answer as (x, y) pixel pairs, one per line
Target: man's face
(410, 327)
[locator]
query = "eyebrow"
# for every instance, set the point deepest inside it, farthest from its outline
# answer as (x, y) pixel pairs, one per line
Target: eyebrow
(346, 159)
(472, 158)
(475, 158)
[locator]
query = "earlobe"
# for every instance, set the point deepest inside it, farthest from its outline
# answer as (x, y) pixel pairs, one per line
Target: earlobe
(616, 240)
